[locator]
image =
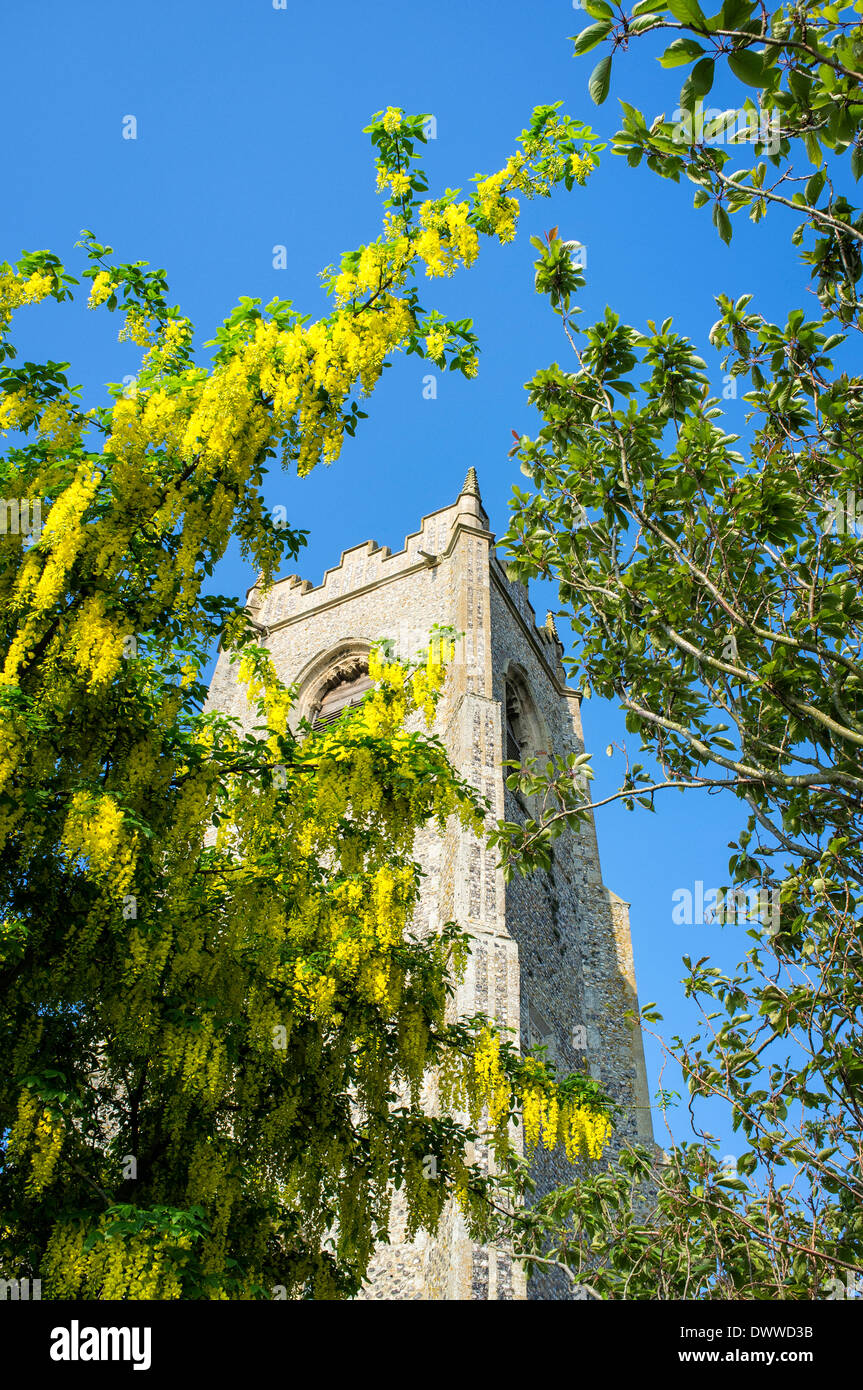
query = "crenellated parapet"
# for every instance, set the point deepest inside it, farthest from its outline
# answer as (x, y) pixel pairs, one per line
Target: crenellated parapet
(362, 567)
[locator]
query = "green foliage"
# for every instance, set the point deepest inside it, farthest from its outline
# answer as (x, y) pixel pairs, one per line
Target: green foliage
(803, 64)
(714, 593)
(216, 1017)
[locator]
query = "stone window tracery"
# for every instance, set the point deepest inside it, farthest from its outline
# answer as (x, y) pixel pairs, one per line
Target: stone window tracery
(524, 730)
(515, 732)
(346, 684)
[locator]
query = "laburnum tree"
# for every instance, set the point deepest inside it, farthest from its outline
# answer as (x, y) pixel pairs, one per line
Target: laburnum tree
(714, 593)
(216, 1019)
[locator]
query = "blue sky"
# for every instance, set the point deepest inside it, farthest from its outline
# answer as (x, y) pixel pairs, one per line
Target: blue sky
(249, 136)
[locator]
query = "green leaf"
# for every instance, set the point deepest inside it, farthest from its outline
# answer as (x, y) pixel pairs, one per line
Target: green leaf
(813, 149)
(857, 161)
(600, 80)
(688, 12)
(701, 77)
(591, 36)
(734, 13)
(681, 51)
(598, 9)
(722, 222)
(747, 66)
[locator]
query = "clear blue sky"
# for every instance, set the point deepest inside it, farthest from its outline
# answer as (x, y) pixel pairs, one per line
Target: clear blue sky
(249, 135)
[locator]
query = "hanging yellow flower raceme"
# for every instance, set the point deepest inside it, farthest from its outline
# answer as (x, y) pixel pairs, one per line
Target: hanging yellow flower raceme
(100, 290)
(16, 290)
(235, 907)
(393, 118)
(492, 1086)
(94, 831)
(584, 1133)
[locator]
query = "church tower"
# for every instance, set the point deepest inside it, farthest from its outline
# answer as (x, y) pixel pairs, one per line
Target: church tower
(551, 954)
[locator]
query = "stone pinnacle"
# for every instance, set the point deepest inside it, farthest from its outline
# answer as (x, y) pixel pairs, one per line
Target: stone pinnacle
(471, 483)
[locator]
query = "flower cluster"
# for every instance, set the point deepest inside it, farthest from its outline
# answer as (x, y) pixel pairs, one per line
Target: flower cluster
(584, 1133)
(16, 290)
(115, 1266)
(178, 901)
(94, 831)
(137, 327)
(447, 239)
(101, 289)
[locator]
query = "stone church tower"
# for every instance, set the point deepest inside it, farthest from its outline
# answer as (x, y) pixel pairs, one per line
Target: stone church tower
(552, 957)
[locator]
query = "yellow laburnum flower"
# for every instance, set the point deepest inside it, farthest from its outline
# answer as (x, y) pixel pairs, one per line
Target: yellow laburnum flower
(42, 577)
(175, 333)
(137, 328)
(25, 1123)
(500, 211)
(550, 1120)
(515, 173)
(436, 342)
(96, 642)
(492, 1085)
(15, 290)
(581, 166)
(400, 184)
(65, 1261)
(377, 665)
(100, 290)
(59, 423)
(392, 118)
(430, 249)
(48, 1141)
(598, 1134)
(372, 262)
(584, 1132)
(345, 287)
(94, 831)
(531, 1114)
(17, 410)
(461, 233)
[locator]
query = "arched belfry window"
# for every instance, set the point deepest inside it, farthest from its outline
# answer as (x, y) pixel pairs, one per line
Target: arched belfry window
(334, 680)
(348, 690)
(525, 734)
(515, 731)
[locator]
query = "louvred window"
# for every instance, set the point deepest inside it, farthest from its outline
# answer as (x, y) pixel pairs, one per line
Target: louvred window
(514, 738)
(340, 697)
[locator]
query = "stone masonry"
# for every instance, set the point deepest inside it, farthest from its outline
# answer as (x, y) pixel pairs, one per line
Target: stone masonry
(552, 956)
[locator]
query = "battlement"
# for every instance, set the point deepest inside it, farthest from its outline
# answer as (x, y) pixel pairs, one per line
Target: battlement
(369, 565)
(361, 566)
